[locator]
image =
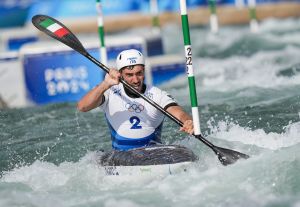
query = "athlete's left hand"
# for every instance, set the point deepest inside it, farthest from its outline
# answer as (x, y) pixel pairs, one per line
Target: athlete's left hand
(187, 127)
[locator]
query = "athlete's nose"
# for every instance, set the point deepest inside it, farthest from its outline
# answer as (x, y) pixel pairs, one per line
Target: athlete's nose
(135, 79)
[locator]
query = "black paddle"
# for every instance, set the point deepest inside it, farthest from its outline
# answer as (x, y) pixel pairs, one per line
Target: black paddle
(58, 31)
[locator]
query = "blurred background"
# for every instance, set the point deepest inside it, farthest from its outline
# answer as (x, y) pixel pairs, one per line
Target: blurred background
(36, 70)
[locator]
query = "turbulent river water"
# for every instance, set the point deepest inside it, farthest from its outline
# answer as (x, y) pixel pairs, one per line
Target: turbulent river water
(248, 93)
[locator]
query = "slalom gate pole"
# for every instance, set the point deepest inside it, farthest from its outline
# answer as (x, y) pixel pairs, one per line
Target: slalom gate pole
(214, 26)
(253, 17)
(189, 67)
(103, 53)
(154, 13)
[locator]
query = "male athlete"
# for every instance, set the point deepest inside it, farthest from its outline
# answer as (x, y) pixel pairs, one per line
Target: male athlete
(133, 122)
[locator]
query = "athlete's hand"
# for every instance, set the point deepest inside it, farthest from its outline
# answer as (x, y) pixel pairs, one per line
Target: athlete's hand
(188, 127)
(113, 77)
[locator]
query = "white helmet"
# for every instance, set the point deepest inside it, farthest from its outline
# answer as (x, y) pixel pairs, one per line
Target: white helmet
(129, 57)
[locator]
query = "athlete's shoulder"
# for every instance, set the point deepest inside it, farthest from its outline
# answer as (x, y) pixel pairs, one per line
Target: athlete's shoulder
(116, 90)
(156, 93)
(153, 89)
(156, 90)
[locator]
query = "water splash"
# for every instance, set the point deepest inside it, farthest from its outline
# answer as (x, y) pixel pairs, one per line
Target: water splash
(231, 131)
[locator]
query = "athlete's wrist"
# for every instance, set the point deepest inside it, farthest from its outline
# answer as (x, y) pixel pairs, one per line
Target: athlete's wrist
(105, 85)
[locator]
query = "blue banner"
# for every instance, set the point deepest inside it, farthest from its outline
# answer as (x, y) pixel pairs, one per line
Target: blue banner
(14, 13)
(59, 78)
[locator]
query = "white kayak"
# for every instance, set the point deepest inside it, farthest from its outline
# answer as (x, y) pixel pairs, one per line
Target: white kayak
(150, 160)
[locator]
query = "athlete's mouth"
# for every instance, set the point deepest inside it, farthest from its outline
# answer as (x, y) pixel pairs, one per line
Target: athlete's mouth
(136, 86)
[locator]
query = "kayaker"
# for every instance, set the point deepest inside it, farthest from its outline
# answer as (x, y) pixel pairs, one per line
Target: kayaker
(132, 121)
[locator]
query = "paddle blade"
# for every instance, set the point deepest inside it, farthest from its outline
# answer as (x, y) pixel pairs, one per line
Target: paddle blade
(58, 31)
(227, 156)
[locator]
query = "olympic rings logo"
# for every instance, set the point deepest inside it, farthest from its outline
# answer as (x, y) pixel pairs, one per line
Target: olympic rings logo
(137, 108)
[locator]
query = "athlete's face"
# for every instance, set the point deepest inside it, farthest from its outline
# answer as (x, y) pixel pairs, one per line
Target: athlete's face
(134, 76)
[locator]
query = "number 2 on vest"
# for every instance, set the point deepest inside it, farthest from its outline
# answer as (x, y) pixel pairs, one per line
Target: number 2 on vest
(135, 121)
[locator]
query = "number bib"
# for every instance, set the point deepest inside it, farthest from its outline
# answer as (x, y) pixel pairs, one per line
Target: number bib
(132, 121)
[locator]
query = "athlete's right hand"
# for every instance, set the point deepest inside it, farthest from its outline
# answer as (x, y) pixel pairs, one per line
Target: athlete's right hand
(113, 77)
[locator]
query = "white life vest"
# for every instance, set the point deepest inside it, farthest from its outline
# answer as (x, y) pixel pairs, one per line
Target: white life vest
(133, 122)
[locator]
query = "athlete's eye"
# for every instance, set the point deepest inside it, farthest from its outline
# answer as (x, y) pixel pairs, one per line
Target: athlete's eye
(129, 75)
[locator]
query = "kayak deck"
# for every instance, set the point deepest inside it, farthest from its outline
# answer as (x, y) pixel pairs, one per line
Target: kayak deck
(161, 159)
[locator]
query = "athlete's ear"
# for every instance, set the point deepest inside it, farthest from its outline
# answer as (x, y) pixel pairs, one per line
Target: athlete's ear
(121, 72)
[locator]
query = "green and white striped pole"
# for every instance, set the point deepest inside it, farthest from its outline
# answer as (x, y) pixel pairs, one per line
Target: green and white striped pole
(253, 17)
(213, 16)
(103, 53)
(189, 66)
(155, 19)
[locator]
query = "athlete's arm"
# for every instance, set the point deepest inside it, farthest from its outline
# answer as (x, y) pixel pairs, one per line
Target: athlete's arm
(95, 97)
(184, 117)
